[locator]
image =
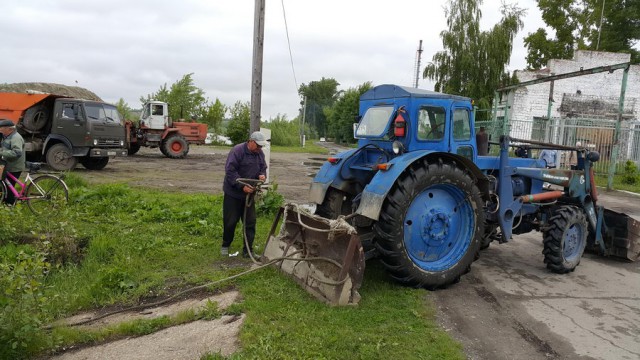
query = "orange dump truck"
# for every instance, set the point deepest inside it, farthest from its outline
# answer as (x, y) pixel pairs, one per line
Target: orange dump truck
(157, 130)
(63, 131)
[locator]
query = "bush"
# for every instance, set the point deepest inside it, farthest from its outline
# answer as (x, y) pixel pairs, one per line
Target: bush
(270, 201)
(630, 175)
(22, 304)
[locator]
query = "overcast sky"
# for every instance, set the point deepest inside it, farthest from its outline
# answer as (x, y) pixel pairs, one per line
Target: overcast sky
(129, 48)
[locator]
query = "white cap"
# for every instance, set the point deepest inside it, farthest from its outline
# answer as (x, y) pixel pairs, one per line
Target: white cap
(259, 138)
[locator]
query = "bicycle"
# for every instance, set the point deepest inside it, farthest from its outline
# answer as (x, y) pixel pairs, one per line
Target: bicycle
(44, 193)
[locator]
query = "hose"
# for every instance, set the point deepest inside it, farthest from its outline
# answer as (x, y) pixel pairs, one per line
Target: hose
(203, 286)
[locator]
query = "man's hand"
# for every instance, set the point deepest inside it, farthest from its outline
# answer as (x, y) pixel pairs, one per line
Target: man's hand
(262, 178)
(248, 189)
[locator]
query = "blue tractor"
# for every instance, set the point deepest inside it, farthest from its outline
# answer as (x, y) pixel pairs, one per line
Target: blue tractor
(424, 198)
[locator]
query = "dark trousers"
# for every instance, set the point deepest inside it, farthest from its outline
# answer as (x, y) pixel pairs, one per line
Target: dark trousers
(232, 212)
(11, 199)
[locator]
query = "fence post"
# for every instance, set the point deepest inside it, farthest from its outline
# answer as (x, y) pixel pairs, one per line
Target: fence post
(616, 134)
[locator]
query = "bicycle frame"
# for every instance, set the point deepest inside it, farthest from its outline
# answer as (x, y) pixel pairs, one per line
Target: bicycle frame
(23, 186)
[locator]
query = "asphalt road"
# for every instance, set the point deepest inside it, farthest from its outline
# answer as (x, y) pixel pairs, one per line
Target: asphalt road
(511, 307)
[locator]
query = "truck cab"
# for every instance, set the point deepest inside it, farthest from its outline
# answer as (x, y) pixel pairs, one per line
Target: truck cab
(64, 131)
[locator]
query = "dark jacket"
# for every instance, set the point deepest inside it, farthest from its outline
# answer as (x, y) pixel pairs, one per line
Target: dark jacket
(12, 151)
(242, 163)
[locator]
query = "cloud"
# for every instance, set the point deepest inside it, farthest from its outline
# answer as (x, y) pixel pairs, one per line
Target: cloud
(128, 49)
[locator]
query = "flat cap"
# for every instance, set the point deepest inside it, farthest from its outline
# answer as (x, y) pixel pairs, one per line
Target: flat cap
(259, 138)
(5, 123)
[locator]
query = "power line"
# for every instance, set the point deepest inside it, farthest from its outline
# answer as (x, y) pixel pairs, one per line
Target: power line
(286, 27)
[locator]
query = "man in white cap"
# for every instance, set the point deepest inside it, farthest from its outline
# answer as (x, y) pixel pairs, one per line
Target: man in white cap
(12, 153)
(246, 161)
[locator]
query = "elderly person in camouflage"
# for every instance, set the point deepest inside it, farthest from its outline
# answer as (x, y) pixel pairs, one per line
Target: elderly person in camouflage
(12, 153)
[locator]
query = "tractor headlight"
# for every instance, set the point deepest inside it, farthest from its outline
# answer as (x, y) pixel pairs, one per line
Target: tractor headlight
(95, 142)
(121, 142)
(398, 148)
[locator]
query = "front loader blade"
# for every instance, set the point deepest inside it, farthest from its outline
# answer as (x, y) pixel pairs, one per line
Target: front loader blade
(622, 237)
(324, 256)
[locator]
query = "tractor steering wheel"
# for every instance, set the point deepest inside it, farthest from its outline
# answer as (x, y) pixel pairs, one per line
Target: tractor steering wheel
(433, 131)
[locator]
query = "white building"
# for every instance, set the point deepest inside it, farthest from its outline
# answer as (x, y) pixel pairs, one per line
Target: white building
(584, 108)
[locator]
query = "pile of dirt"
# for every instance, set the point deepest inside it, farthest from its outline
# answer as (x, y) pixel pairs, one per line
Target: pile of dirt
(50, 88)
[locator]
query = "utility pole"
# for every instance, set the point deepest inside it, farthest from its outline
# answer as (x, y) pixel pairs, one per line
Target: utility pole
(600, 26)
(304, 113)
(418, 59)
(256, 78)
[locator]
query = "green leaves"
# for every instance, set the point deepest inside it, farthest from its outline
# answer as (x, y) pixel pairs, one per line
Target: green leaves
(473, 62)
(576, 24)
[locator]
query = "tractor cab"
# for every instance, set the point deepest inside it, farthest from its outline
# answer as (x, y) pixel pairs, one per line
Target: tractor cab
(401, 119)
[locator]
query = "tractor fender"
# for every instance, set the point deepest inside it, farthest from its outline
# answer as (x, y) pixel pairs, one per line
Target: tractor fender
(376, 191)
(169, 131)
(329, 176)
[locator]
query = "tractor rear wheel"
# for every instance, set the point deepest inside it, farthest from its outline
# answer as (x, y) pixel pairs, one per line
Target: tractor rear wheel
(565, 239)
(430, 225)
(133, 148)
(175, 146)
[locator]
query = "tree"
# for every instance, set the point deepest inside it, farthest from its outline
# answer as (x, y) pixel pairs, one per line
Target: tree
(124, 109)
(576, 23)
(342, 115)
(473, 62)
(319, 95)
(184, 98)
(238, 128)
(283, 131)
(212, 115)
(620, 29)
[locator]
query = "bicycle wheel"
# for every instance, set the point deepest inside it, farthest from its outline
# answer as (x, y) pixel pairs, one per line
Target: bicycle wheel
(3, 191)
(47, 193)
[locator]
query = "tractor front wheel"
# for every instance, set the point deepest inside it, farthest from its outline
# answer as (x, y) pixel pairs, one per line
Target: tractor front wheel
(175, 146)
(565, 239)
(430, 225)
(335, 203)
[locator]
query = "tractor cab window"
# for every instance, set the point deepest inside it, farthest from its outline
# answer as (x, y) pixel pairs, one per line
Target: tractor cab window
(156, 109)
(431, 120)
(461, 126)
(374, 121)
(145, 111)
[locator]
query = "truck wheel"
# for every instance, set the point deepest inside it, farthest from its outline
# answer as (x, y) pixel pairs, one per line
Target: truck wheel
(565, 239)
(97, 163)
(60, 158)
(35, 118)
(430, 225)
(133, 148)
(175, 147)
(335, 203)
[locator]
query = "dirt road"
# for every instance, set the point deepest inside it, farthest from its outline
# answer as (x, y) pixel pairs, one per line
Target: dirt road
(203, 171)
(508, 307)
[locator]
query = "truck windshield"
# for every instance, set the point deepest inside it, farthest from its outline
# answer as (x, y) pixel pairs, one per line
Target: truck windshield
(374, 121)
(102, 112)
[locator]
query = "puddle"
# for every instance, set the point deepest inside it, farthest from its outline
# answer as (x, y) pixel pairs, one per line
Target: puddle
(312, 164)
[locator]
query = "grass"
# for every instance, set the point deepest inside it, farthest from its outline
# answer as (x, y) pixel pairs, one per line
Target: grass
(116, 245)
(618, 183)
